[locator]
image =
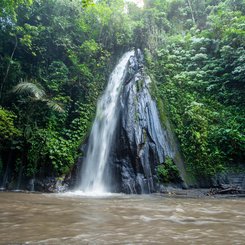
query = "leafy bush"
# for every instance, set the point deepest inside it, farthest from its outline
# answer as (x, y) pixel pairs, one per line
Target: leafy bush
(7, 127)
(168, 172)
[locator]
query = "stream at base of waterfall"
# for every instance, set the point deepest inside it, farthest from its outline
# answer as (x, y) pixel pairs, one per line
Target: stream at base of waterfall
(29, 218)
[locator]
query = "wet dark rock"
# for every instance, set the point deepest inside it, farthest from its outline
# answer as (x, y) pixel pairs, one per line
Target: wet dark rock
(39, 184)
(74, 177)
(50, 184)
(232, 179)
(31, 185)
(140, 57)
(141, 144)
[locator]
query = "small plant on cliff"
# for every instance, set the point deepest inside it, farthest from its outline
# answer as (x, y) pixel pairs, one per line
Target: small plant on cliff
(168, 172)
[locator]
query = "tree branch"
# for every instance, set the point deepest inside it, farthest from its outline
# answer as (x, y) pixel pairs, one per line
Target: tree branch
(8, 68)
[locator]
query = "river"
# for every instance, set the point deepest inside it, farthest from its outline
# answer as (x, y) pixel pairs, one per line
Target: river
(29, 218)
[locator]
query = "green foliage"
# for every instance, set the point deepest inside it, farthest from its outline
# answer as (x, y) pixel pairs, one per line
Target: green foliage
(7, 128)
(200, 76)
(168, 172)
(86, 3)
(58, 76)
(8, 7)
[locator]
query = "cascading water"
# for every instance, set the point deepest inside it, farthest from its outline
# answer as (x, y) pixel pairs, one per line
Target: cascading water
(101, 137)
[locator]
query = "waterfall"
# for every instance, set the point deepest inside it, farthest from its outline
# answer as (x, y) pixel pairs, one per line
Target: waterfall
(94, 177)
(127, 141)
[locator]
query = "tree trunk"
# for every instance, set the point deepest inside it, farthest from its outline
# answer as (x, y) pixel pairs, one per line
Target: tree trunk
(7, 71)
(192, 12)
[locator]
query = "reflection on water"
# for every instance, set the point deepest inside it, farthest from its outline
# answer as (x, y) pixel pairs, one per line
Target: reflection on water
(120, 219)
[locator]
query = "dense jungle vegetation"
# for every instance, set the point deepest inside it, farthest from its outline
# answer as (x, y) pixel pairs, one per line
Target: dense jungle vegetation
(56, 56)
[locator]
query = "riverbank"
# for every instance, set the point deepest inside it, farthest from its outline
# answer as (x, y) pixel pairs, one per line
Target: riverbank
(200, 193)
(169, 192)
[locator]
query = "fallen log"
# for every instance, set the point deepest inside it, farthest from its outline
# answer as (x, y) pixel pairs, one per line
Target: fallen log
(225, 189)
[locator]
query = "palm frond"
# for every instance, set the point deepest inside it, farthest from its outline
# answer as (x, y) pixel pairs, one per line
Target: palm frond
(55, 106)
(36, 94)
(30, 88)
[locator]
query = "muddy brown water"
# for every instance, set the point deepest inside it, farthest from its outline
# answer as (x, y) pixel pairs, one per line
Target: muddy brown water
(27, 218)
